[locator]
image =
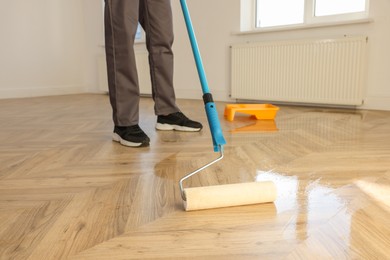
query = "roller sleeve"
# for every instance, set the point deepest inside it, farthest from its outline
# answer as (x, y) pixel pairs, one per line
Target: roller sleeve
(229, 195)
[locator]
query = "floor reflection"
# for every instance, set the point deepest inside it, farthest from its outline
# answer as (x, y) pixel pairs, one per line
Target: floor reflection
(257, 126)
(378, 192)
(310, 204)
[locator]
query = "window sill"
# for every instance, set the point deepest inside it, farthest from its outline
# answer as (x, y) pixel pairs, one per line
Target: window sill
(302, 26)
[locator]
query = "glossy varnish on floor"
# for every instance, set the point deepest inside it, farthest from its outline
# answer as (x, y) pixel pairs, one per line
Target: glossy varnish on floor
(68, 191)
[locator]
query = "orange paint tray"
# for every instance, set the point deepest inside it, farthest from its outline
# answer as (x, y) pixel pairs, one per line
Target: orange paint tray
(260, 111)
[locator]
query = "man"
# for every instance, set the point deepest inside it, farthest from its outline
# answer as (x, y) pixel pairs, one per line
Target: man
(121, 21)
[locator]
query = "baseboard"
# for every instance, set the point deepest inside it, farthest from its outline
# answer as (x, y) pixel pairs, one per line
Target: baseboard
(376, 103)
(41, 91)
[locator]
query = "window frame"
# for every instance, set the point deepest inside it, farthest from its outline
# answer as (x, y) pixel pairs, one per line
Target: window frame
(249, 18)
(310, 17)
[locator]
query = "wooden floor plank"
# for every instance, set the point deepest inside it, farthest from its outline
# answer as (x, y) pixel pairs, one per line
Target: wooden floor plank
(67, 191)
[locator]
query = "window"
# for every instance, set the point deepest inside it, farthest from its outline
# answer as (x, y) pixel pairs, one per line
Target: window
(140, 34)
(333, 7)
(270, 13)
(289, 12)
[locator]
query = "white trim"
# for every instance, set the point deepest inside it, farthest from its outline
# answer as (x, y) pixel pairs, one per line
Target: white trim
(351, 17)
(376, 103)
(309, 11)
(302, 26)
(247, 15)
(25, 92)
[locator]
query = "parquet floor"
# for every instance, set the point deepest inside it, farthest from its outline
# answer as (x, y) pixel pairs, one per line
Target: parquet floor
(68, 192)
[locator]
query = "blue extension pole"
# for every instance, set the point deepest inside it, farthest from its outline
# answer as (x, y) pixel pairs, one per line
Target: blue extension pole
(195, 48)
(211, 111)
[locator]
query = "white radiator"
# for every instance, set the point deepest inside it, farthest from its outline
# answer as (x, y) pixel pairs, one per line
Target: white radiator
(330, 71)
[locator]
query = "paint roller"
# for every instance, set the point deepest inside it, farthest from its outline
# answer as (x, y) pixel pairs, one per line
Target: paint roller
(217, 196)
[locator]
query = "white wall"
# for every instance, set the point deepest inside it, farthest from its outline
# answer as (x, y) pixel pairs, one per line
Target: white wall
(94, 41)
(42, 48)
(216, 21)
(53, 47)
(213, 21)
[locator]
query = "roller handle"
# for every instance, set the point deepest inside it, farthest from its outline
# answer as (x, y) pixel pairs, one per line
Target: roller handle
(215, 127)
(195, 48)
(211, 111)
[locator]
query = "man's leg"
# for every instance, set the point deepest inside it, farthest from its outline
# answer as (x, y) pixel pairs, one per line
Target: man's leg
(121, 20)
(155, 17)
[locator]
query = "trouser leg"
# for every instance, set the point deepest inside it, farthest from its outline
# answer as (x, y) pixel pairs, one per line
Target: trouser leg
(155, 17)
(121, 19)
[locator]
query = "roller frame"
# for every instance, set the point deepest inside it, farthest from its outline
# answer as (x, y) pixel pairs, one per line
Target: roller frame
(183, 196)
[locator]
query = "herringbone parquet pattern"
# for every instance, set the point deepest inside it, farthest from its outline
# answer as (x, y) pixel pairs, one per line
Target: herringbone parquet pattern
(68, 192)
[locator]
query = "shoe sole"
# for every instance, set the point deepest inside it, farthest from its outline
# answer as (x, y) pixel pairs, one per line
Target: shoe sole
(167, 127)
(124, 142)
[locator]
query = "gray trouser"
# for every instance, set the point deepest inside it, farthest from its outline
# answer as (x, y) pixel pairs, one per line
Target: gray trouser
(121, 20)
